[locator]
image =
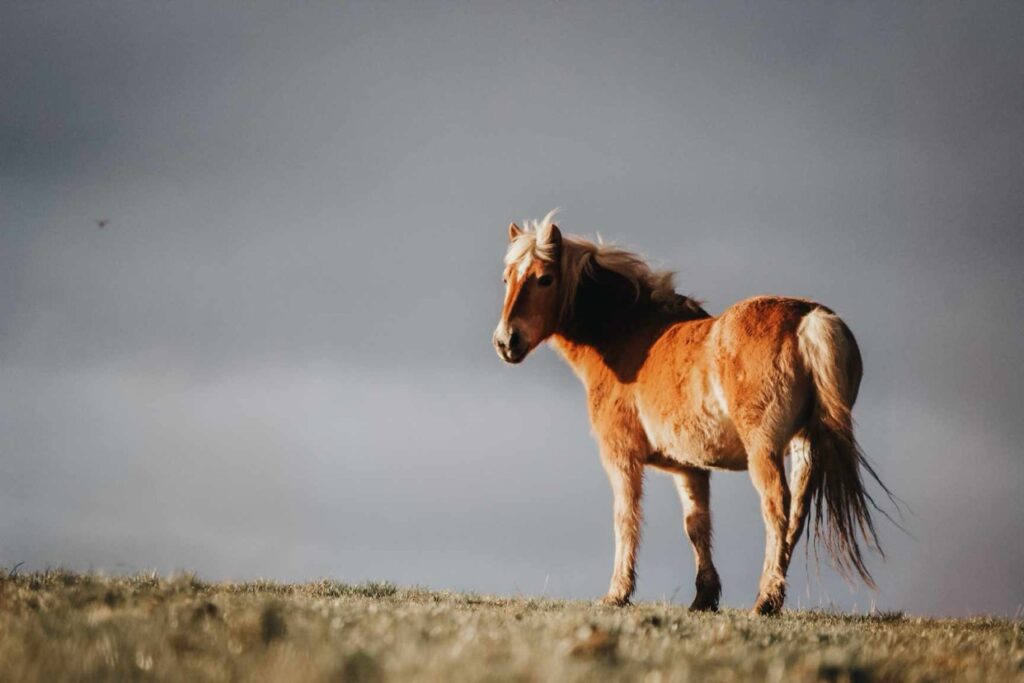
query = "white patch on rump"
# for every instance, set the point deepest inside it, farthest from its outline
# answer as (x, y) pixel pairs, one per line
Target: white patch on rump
(718, 393)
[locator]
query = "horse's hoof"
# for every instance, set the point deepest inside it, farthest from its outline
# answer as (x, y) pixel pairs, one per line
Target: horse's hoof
(704, 604)
(709, 590)
(614, 601)
(767, 606)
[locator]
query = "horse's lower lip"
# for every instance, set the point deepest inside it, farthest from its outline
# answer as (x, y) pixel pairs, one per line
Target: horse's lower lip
(510, 357)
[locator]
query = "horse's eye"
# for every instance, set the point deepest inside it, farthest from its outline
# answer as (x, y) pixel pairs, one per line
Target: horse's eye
(545, 280)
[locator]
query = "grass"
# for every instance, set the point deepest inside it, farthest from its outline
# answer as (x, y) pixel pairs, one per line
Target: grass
(63, 626)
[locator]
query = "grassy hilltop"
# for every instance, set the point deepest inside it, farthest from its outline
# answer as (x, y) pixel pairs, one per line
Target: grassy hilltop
(64, 626)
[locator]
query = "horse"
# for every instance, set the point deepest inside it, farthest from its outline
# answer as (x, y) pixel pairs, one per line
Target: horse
(671, 387)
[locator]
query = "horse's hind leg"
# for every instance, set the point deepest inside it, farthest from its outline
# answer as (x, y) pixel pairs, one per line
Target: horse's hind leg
(694, 488)
(768, 474)
(802, 492)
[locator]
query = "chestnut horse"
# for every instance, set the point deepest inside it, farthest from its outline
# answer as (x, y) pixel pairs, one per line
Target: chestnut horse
(670, 386)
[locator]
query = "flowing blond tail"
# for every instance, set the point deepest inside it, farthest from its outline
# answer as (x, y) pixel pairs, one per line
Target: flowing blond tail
(841, 504)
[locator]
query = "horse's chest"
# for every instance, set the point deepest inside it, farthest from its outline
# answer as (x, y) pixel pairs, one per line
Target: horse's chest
(692, 427)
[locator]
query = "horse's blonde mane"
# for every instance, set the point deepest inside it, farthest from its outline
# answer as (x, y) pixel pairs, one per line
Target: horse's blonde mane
(580, 257)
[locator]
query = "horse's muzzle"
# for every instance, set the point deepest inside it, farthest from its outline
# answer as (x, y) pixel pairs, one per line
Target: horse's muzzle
(509, 344)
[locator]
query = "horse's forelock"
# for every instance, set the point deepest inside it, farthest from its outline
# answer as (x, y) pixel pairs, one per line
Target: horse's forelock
(533, 242)
(521, 252)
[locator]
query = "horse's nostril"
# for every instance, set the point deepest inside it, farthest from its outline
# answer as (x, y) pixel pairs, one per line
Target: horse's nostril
(513, 340)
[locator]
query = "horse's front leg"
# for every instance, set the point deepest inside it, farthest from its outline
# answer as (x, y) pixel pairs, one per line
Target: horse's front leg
(625, 474)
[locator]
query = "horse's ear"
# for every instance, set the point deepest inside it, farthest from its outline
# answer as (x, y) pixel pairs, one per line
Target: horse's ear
(513, 231)
(554, 238)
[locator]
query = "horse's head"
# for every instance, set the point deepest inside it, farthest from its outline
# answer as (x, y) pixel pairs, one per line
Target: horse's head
(533, 302)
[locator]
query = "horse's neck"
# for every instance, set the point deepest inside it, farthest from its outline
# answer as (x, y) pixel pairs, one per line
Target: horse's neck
(584, 359)
(609, 332)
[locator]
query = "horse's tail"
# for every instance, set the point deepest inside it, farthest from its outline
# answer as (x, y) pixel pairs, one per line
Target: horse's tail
(841, 504)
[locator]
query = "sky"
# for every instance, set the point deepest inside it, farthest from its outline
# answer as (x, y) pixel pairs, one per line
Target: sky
(275, 361)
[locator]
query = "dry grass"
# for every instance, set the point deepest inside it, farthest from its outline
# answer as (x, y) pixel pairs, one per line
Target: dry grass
(64, 626)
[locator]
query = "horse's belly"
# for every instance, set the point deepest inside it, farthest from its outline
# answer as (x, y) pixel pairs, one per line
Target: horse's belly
(719, 447)
(705, 437)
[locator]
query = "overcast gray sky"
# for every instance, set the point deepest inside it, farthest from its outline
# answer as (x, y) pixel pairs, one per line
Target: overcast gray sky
(275, 360)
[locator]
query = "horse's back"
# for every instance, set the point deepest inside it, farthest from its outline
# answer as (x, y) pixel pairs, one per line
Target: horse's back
(763, 319)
